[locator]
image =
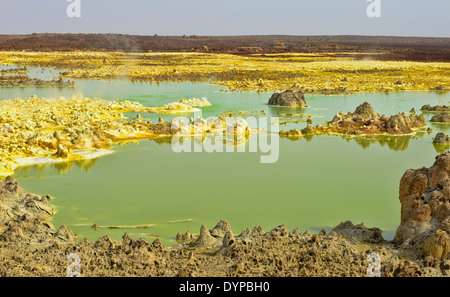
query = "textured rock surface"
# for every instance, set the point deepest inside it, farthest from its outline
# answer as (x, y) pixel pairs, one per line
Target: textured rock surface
(437, 245)
(443, 117)
(31, 246)
(435, 108)
(404, 124)
(26, 81)
(364, 121)
(291, 133)
(206, 240)
(359, 232)
(425, 209)
(441, 138)
(288, 98)
(365, 111)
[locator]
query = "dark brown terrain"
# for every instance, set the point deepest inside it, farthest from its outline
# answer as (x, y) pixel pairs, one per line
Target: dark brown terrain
(366, 47)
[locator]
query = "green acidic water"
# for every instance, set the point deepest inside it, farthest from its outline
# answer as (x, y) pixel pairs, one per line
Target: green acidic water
(315, 183)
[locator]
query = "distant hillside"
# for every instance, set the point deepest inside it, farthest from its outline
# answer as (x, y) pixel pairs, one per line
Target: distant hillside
(393, 48)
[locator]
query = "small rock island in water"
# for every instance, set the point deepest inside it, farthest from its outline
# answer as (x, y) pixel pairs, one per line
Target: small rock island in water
(364, 121)
(289, 98)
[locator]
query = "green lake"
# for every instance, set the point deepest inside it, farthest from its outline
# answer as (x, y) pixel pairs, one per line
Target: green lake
(315, 183)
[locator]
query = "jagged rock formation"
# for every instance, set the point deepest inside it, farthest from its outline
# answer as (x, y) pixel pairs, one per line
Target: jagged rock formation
(364, 112)
(26, 81)
(425, 212)
(443, 117)
(441, 138)
(435, 108)
(364, 121)
(403, 124)
(195, 102)
(359, 232)
(26, 217)
(206, 240)
(215, 237)
(291, 133)
(31, 246)
(288, 98)
(315, 254)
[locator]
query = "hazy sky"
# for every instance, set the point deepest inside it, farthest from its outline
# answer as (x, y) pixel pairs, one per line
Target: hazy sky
(228, 17)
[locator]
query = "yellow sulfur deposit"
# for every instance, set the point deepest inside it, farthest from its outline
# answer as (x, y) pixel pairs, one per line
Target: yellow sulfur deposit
(311, 73)
(38, 130)
(51, 129)
(182, 106)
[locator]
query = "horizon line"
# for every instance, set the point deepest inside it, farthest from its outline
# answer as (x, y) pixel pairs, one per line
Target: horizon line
(238, 35)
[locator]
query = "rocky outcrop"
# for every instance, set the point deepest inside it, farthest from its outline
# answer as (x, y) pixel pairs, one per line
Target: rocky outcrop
(364, 121)
(308, 129)
(65, 234)
(288, 98)
(63, 153)
(24, 216)
(31, 246)
(359, 232)
(26, 81)
(425, 209)
(206, 240)
(435, 108)
(364, 112)
(215, 237)
(441, 138)
(291, 133)
(443, 117)
(221, 229)
(195, 102)
(437, 245)
(404, 124)
(279, 252)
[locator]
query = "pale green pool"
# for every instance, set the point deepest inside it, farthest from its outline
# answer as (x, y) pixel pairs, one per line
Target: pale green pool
(314, 184)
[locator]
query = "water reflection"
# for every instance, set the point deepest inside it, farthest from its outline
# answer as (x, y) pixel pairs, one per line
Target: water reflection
(396, 143)
(282, 111)
(196, 143)
(441, 93)
(441, 127)
(163, 140)
(43, 169)
(441, 148)
(307, 137)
